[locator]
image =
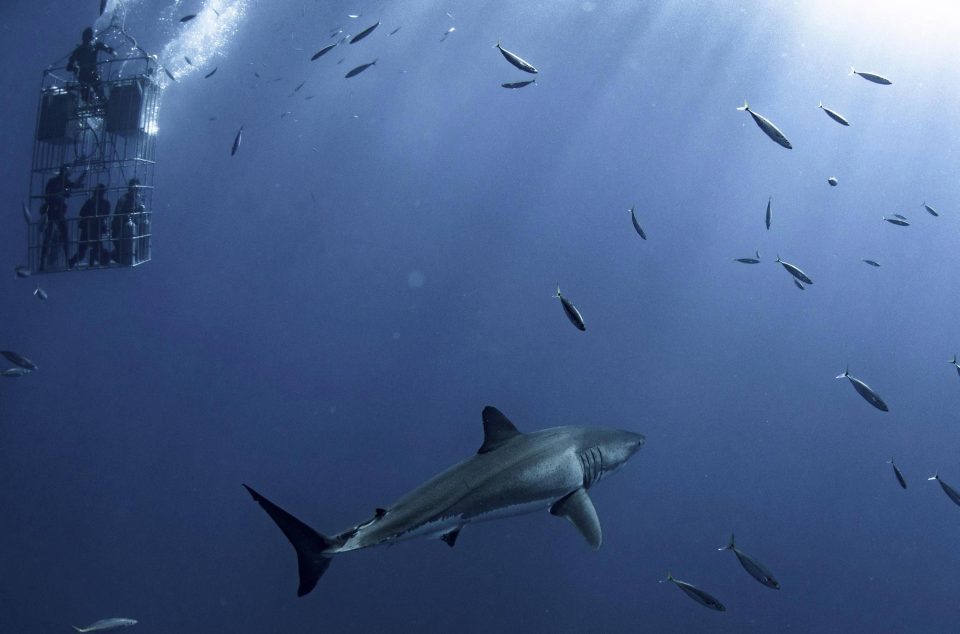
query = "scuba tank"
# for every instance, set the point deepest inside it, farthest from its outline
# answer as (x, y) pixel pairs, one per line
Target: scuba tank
(143, 248)
(126, 242)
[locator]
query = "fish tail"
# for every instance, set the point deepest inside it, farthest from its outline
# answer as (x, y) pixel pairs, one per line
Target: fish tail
(936, 476)
(311, 546)
(758, 255)
(820, 105)
(853, 71)
(730, 545)
(558, 292)
(846, 373)
(953, 360)
(745, 106)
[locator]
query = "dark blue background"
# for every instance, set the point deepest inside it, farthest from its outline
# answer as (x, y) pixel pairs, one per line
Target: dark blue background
(278, 341)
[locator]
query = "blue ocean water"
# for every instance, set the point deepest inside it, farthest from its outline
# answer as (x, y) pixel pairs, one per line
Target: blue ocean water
(328, 311)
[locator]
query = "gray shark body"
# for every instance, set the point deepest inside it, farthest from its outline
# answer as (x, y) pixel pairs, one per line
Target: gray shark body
(512, 474)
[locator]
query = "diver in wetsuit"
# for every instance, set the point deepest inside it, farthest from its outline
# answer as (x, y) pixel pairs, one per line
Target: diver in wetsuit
(54, 210)
(130, 204)
(93, 225)
(83, 62)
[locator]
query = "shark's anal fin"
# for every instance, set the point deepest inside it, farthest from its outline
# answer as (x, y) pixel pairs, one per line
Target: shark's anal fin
(309, 544)
(497, 429)
(450, 538)
(578, 508)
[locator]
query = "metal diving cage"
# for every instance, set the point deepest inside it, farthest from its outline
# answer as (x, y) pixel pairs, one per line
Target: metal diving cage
(90, 204)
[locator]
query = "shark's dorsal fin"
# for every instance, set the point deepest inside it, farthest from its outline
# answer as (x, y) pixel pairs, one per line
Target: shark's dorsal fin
(578, 508)
(497, 429)
(450, 538)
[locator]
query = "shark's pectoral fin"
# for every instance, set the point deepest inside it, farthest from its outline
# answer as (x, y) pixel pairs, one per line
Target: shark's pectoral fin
(450, 538)
(578, 508)
(497, 429)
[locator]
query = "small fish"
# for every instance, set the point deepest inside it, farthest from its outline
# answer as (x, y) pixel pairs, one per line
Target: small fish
(833, 181)
(14, 372)
(354, 16)
(769, 212)
(447, 33)
(955, 364)
(21, 271)
(898, 474)
(877, 79)
(188, 60)
(187, 18)
(872, 263)
(798, 284)
(341, 60)
(949, 490)
(323, 51)
(169, 74)
(519, 84)
(931, 210)
(767, 126)
(751, 565)
(40, 294)
(795, 271)
(19, 360)
(836, 116)
(570, 310)
(359, 69)
(236, 141)
(256, 74)
(210, 74)
(309, 97)
(297, 89)
(26, 213)
(755, 260)
(284, 114)
(364, 33)
(697, 594)
(899, 216)
(636, 224)
(393, 31)
(514, 59)
(864, 390)
(899, 221)
(106, 625)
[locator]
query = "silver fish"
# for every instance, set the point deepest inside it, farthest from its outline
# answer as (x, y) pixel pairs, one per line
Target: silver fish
(931, 210)
(359, 69)
(169, 74)
(447, 33)
(769, 212)
(872, 263)
(797, 283)
(949, 490)
(187, 60)
(751, 565)
(755, 260)
(21, 271)
(516, 60)
(14, 372)
(864, 390)
(364, 33)
(898, 474)
(571, 311)
(636, 223)
(767, 126)
(40, 294)
(836, 116)
(703, 598)
(19, 360)
(519, 84)
(236, 141)
(107, 625)
(394, 32)
(900, 222)
(323, 51)
(795, 271)
(210, 74)
(833, 181)
(877, 79)
(187, 18)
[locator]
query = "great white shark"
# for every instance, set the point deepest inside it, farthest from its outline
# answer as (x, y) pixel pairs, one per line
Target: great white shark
(513, 473)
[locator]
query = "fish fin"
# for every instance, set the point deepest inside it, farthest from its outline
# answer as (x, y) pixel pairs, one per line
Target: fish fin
(497, 429)
(820, 105)
(309, 544)
(730, 545)
(936, 476)
(953, 360)
(450, 537)
(846, 373)
(558, 292)
(853, 71)
(758, 255)
(578, 508)
(745, 106)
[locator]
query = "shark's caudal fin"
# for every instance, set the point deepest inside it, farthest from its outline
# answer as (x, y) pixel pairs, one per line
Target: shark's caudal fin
(309, 544)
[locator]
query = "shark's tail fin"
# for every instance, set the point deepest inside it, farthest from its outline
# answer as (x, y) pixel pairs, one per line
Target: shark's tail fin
(309, 544)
